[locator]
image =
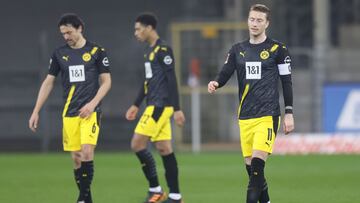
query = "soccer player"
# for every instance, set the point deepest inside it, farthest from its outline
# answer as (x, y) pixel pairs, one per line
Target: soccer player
(162, 101)
(85, 76)
(259, 62)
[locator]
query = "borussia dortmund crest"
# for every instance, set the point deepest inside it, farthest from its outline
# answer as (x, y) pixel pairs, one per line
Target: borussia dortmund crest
(86, 57)
(264, 55)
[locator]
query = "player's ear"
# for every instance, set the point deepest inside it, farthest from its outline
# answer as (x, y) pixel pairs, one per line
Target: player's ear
(149, 28)
(267, 24)
(81, 29)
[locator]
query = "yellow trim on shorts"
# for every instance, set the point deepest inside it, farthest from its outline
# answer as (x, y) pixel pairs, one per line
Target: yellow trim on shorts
(157, 130)
(278, 127)
(79, 131)
(254, 134)
(68, 100)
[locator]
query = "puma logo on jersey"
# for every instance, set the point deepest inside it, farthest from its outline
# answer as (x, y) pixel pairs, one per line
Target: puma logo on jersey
(242, 54)
(66, 58)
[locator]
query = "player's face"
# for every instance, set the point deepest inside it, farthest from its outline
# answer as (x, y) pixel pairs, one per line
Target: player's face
(141, 32)
(257, 23)
(71, 35)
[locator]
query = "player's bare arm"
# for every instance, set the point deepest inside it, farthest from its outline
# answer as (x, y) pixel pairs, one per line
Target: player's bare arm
(44, 93)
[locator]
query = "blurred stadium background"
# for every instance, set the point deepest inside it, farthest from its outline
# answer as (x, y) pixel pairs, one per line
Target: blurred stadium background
(323, 37)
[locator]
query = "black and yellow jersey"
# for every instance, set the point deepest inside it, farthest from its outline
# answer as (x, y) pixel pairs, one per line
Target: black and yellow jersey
(80, 70)
(258, 68)
(160, 86)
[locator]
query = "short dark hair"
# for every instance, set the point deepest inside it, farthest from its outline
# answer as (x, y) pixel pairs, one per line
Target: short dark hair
(261, 8)
(147, 19)
(71, 19)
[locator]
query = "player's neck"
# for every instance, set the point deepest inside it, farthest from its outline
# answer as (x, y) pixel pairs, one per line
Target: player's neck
(80, 43)
(257, 39)
(153, 39)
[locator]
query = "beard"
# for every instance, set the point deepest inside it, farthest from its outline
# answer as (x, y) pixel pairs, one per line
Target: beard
(70, 42)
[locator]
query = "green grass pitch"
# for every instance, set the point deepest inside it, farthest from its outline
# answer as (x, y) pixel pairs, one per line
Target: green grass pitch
(204, 178)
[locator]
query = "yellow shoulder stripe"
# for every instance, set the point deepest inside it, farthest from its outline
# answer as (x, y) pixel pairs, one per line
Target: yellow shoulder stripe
(156, 49)
(152, 54)
(93, 51)
(273, 48)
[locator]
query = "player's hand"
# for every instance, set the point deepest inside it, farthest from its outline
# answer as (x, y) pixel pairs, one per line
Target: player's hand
(179, 118)
(212, 86)
(87, 110)
(131, 113)
(33, 121)
(288, 123)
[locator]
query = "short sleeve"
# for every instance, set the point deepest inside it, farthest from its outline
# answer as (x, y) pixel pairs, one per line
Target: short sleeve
(283, 61)
(103, 62)
(166, 57)
(54, 67)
